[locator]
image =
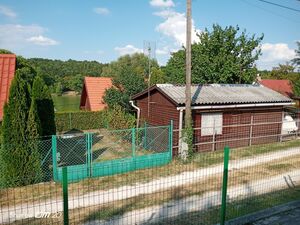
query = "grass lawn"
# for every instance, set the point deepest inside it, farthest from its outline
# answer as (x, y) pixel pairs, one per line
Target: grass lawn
(236, 209)
(66, 103)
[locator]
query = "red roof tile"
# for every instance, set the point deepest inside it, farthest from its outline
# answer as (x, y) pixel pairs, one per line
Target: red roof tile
(7, 72)
(282, 86)
(93, 91)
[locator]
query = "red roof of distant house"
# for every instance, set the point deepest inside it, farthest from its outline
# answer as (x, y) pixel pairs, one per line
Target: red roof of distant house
(282, 86)
(7, 72)
(93, 91)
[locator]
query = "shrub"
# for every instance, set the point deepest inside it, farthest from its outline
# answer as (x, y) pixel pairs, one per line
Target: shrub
(118, 118)
(114, 118)
(83, 120)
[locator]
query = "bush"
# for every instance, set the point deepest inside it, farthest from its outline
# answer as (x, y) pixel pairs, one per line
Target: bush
(118, 118)
(114, 118)
(83, 120)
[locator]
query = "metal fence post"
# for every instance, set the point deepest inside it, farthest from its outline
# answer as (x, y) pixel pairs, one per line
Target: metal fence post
(133, 142)
(251, 130)
(145, 135)
(171, 139)
(224, 187)
(214, 137)
(65, 195)
(54, 157)
(70, 121)
(89, 153)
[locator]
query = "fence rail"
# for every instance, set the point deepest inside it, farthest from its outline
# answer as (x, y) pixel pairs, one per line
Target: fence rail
(110, 152)
(241, 134)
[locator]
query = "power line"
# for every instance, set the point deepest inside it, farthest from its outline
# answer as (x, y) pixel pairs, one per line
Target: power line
(282, 6)
(271, 12)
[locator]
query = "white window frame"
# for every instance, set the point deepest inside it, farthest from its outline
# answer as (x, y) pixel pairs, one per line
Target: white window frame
(211, 124)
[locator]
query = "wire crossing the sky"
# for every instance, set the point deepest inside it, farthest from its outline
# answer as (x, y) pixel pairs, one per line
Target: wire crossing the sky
(282, 6)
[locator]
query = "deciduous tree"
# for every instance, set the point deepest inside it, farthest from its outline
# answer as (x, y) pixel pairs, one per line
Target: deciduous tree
(223, 55)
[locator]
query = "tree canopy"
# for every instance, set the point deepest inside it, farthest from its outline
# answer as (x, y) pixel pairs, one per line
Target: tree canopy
(296, 60)
(223, 55)
(19, 159)
(28, 114)
(129, 73)
(66, 74)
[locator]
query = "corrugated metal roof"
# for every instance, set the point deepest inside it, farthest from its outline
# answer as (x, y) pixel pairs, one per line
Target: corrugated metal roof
(95, 89)
(224, 94)
(7, 72)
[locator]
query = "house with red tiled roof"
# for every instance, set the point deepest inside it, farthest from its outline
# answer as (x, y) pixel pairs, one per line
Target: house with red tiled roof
(93, 92)
(284, 87)
(7, 72)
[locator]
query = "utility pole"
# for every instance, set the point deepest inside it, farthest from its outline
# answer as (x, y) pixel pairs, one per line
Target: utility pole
(184, 143)
(188, 111)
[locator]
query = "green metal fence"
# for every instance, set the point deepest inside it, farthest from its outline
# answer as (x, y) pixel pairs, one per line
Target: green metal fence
(209, 188)
(108, 152)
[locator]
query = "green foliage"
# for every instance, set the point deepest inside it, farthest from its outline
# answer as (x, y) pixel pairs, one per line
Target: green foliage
(66, 103)
(296, 87)
(157, 76)
(129, 73)
(34, 131)
(59, 89)
(69, 73)
(45, 107)
(220, 56)
(188, 138)
(82, 120)
(118, 118)
(135, 64)
(28, 114)
(114, 97)
(282, 71)
(4, 51)
(114, 118)
(74, 83)
(296, 60)
(28, 72)
(17, 160)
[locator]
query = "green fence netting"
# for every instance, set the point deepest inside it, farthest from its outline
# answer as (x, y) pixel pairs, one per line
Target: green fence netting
(108, 152)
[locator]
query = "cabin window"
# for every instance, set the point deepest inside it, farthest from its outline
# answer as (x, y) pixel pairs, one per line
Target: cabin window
(211, 123)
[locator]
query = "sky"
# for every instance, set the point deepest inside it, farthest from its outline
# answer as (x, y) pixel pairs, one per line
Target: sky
(103, 30)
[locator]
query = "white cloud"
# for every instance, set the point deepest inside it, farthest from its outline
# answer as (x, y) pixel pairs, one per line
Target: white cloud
(276, 52)
(41, 40)
(128, 49)
(7, 12)
(102, 11)
(273, 54)
(162, 3)
(174, 26)
(15, 36)
(162, 52)
(165, 50)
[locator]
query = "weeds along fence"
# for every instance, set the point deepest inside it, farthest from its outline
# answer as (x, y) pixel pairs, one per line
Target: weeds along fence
(258, 177)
